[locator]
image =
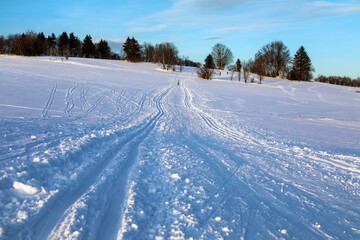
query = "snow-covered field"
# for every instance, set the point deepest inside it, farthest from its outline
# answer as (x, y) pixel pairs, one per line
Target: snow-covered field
(95, 149)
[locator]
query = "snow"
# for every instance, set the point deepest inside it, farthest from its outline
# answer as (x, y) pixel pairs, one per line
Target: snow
(175, 177)
(24, 188)
(97, 149)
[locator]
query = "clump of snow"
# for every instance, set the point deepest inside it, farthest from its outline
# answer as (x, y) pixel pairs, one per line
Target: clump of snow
(21, 216)
(218, 219)
(24, 188)
(317, 225)
(134, 226)
(226, 229)
(38, 160)
(283, 231)
(175, 177)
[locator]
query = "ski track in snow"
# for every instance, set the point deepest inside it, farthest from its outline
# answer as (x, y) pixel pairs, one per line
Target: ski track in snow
(49, 102)
(112, 210)
(137, 156)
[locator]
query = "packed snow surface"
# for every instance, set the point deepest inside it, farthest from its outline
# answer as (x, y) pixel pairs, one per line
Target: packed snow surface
(95, 149)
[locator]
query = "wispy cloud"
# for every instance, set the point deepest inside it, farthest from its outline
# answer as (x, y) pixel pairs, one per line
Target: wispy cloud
(214, 18)
(249, 27)
(118, 40)
(213, 5)
(212, 38)
(325, 7)
(155, 28)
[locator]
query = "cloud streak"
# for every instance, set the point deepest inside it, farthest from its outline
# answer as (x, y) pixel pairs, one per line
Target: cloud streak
(326, 8)
(212, 38)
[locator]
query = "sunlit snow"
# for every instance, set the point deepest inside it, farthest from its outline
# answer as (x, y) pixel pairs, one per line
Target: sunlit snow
(96, 149)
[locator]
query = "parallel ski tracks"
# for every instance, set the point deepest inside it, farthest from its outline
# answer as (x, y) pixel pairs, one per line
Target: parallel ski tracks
(45, 112)
(248, 192)
(50, 216)
(69, 99)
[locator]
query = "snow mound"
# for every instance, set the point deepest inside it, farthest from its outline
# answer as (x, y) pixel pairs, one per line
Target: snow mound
(24, 188)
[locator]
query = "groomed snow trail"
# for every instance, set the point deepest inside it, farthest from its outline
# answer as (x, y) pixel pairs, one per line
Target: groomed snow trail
(94, 149)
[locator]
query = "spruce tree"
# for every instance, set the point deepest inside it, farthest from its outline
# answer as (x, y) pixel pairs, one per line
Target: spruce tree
(51, 41)
(207, 71)
(64, 44)
(39, 44)
(88, 48)
(238, 68)
(302, 68)
(132, 50)
(74, 45)
(209, 62)
(103, 50)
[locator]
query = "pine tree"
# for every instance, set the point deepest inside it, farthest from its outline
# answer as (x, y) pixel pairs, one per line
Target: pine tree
(209, 62)
(51, 41)
(302, 68)
(132, 50)
(238, 68)
(206, 71)
(88, 48)
(74, 45)
(103, 50)
(2, 45)
(64, 44)
(39, 44)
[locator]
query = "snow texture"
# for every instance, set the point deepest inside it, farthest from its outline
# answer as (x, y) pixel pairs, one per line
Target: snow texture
(96, 149)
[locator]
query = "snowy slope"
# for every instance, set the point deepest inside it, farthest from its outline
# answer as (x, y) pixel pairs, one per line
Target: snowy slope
(94, 149)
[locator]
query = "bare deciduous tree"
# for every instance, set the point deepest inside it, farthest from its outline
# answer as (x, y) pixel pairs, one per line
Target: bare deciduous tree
(276, 57)
(222, 55)
(166, 53)
(247, 69)
(148, 52)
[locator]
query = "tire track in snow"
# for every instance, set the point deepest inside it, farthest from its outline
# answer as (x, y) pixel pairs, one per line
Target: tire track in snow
(45, 112)
(51, 215)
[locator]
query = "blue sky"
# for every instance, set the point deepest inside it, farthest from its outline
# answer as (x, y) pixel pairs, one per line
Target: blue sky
(329, 30)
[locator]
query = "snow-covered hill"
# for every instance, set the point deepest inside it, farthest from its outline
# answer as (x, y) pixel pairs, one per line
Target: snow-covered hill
(95, 149)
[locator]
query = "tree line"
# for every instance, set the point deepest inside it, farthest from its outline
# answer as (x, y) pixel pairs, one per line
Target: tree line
(69, 45)
(337, 80)
(272, 60)
(66, 45)
(165, 53)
